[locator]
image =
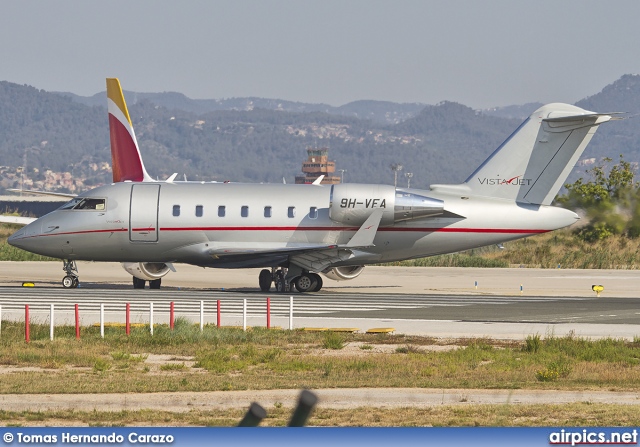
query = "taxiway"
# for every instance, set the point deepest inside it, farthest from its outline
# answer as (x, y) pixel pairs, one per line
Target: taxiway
(433, 302)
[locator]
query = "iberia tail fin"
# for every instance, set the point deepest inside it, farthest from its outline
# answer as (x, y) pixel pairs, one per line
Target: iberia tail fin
(126, 161)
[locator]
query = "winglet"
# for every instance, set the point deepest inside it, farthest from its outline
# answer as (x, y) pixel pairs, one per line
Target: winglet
(125, 154)
(366, 234)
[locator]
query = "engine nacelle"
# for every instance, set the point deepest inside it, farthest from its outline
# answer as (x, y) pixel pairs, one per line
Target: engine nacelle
(146, 270)
(343, 273)
(353, 203)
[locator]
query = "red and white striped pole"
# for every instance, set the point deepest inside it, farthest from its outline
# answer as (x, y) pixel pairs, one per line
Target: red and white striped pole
(27, 335)
(77, 322)
(268, 313)
(171, 315)
(218, 313)
(128, 320)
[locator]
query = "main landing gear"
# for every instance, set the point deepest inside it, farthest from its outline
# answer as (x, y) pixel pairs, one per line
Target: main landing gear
(284, 282)
(70, 281)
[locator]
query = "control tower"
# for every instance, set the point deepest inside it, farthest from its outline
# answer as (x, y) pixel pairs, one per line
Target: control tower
(317, 164)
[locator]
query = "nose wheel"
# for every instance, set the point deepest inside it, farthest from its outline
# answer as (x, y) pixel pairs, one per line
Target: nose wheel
(70, 281)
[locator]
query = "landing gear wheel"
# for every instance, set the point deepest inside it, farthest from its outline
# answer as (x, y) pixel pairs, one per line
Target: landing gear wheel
(281, 285)
(318, 280)
(305, 283)
(265, 279)
(155, 284)
(70, 282)
(138, 283)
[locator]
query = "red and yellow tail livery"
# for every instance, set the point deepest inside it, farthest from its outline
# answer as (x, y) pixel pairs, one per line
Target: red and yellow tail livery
(127, 163)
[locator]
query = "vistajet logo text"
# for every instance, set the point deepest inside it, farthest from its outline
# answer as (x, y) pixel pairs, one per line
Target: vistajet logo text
(499, 181)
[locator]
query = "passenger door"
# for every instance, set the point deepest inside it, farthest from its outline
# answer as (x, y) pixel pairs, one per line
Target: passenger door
(143, 214)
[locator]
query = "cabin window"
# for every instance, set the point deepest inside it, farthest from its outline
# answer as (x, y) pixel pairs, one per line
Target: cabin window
(176, 210)
(267, 211)
(222, 211)
(313, 212)
(199, 210)
(244, 211)
(291, 212)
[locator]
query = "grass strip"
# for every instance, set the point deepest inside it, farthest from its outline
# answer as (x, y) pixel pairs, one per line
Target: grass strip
(582, 414)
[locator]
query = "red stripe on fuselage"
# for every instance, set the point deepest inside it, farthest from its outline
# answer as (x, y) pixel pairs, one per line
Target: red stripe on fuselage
(67, 233)
(413, 230)
(401, 230)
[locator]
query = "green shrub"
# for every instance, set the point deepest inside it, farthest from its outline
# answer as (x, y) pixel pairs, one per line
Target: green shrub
(532, 343)
(333, 340)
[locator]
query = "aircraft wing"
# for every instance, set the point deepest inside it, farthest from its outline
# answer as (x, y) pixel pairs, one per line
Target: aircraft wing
(17, 220)
(312, 257)
(265, 249)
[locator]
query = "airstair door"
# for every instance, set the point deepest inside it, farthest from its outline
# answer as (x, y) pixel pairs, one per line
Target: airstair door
(143, 214)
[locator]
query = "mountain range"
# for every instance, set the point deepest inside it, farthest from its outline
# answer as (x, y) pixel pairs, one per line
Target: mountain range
(265, 140)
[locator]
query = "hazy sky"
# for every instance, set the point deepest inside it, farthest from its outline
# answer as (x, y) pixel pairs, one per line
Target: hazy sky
(479, 53)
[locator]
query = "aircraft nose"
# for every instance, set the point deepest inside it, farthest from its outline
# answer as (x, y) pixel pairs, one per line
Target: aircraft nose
(17, 239)
(26, 237)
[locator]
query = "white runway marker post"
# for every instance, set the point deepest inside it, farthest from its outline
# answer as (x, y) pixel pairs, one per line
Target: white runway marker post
(291, 313)
(101, 320)
(244, 314)
(201, 316)
(151, 318)
(51, 319)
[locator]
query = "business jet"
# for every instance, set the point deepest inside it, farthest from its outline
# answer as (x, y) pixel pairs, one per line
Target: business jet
(294, 232)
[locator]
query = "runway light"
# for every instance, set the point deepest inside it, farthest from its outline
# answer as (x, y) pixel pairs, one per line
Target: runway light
(597, 289)
(28, 284)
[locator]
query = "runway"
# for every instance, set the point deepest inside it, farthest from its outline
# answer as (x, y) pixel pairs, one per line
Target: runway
(437, 315)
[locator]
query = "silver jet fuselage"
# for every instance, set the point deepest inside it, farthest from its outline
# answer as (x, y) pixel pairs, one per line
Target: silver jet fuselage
(234, 225)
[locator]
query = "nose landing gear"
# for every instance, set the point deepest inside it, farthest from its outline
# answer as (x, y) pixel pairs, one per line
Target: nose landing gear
(70, 281)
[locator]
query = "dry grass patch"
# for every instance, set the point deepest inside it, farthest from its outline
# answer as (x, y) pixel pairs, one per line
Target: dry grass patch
(578, 414)
(230, 359)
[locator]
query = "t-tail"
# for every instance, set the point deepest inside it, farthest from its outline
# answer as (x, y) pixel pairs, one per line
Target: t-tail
(126, 161)
(534, 162)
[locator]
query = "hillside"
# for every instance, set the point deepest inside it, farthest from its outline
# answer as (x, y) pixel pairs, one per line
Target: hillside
(381, 112)
(265, 144)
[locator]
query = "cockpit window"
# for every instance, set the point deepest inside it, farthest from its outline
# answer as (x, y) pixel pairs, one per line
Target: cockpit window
(85, 203)
(91, 204)
(71, 203)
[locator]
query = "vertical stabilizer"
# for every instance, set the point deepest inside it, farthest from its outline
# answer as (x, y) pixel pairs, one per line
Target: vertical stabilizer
(534, 162)
(125, 154)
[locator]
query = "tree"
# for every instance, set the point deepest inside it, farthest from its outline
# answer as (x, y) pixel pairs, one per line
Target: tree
(610, 199)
